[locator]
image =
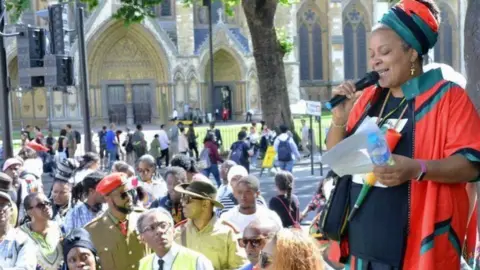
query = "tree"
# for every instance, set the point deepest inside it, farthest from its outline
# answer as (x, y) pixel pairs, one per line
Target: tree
(268, 53)
(472, 51)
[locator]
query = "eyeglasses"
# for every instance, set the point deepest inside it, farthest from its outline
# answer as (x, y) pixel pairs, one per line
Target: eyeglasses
(163, 226)
(265, 260)
(125, 194)
(43, 205)
(188, 199)
(256, 242)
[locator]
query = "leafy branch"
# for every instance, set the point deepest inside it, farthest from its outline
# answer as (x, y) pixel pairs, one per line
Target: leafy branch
(15, 8)
(286, 42)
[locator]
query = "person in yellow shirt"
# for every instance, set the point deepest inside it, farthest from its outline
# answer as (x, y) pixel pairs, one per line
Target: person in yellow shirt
(156, 229)
(203, 232)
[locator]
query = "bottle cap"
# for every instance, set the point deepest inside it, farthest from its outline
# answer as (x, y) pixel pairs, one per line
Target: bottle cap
(372, 137)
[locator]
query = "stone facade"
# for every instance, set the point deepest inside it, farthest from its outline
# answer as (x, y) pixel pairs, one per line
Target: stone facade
(138, 74)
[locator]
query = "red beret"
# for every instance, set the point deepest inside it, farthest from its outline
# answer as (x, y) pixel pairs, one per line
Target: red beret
(37, 147)
(111, 182)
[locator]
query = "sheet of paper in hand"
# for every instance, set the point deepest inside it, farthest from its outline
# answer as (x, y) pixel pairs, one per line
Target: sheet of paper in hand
(350, 156)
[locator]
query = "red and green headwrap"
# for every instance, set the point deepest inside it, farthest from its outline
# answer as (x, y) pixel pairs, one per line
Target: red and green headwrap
(414, 23)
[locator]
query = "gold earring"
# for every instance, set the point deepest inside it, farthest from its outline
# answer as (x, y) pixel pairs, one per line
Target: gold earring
(412, 69)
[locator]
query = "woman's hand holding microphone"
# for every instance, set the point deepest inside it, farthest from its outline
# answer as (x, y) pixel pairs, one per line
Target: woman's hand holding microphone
(341, 111)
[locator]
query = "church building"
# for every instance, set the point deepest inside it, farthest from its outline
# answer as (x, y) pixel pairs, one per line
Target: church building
(141, 73)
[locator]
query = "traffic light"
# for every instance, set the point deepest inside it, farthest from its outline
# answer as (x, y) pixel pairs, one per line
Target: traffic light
(58, 23)
(59, 70)
(31, 50)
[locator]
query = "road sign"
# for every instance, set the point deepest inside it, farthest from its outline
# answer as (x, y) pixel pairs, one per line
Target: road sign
(313, 108)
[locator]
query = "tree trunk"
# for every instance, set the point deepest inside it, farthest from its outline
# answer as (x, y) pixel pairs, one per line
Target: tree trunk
(471, 37)
(268, 56)
(472, 51)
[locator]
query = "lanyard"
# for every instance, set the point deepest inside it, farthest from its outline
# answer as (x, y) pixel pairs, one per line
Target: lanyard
(381, 120)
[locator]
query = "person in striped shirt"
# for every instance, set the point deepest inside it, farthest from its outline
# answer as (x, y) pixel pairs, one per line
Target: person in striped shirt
(228, 199)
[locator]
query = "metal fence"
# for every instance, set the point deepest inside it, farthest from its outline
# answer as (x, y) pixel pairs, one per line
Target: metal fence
(230, 133)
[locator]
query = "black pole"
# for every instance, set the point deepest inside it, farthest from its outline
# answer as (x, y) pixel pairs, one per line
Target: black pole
(210, 40)
(83, 79)
(50, 104)
(6, 122)
(310, 135)
(320, 143)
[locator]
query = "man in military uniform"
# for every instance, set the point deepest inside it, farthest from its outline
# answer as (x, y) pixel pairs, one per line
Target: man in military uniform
(114, 232)
(203, 232)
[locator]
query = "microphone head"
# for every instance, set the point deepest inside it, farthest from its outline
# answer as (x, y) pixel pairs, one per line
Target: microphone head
(373, 76)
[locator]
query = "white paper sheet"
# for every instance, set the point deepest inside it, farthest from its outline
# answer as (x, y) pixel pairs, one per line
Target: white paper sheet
(350, 155)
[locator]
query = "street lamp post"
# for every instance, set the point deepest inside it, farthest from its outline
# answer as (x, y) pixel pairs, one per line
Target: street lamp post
(82, 53)
(210, 40)
(5, 115)
(20, 105)
(50, 104)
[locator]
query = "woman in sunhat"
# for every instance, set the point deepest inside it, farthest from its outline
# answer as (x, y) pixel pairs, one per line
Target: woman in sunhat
(415, 217)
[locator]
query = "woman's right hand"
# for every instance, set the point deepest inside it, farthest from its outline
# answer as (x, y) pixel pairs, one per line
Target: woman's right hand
(341, 111)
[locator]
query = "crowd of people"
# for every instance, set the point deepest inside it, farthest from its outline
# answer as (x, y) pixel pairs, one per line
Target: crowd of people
(121, 216)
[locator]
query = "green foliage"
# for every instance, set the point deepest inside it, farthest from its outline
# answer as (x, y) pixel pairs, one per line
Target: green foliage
(286, 42)
(131, 11)
(15, 8)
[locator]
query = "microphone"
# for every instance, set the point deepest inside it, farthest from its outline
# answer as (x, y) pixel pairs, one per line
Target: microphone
(370, 79)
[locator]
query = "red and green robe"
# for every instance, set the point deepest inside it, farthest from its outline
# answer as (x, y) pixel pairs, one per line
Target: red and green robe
(446, 124)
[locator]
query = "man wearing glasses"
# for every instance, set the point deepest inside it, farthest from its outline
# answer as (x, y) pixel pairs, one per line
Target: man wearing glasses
(156, 228)
(255, 236)
(202, 231)
(16, 249)
(114, 232)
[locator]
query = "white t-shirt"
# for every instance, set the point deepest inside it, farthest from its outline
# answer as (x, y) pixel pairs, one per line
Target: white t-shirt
(163, 139)
(241, 221)
(155, 189)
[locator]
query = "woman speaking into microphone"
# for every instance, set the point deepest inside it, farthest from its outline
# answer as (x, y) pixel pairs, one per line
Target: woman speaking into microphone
(415, 217)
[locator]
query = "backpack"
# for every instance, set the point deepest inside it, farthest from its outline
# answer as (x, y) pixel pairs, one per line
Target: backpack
(78, 137)
(128, 144)
(101, 138)
(205, 161)
(284, 150)
(237, 153)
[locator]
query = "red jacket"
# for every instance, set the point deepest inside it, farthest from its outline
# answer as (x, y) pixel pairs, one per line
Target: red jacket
(214, 156)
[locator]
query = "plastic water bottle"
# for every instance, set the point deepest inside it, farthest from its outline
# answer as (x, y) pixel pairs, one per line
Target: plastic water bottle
(378, 150)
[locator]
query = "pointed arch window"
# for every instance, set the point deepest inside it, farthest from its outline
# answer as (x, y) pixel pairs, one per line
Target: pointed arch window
(166, 8)
(355, 43)
(443, 51)
(311, 45)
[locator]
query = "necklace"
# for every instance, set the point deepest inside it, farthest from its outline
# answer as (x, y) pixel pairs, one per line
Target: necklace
(381, 120)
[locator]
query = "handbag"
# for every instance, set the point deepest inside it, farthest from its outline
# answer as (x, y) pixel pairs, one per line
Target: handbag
(334, 217)
(296, 225)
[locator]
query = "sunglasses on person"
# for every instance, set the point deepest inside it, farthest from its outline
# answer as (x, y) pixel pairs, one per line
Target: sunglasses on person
(254, 242)
(43, 205)
(188, 199)
(125, 194)
(265, 260)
